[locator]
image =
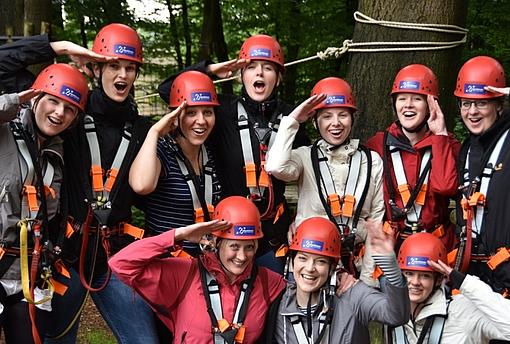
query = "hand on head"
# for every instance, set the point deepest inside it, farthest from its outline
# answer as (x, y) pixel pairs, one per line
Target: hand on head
(381, 238)
(503, 90)
(228, 68)
(440, 267)
(436, 121)
(196, 231)
(305, 110)
(170, 121)
(25, 96)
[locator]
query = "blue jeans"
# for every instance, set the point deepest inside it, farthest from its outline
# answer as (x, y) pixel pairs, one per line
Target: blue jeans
(126, 313)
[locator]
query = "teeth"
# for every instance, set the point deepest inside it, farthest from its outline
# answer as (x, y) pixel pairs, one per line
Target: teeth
(54, 121)
(199, 131)
(308, 277)
(408, 113)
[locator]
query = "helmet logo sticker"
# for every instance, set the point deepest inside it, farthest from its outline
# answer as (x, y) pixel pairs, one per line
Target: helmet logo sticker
(244, 230)
(409, 85)
(260, 52)
(70, 93)
(200, 97)
(122, 49)
(335, 99)
(417, 261)
(474, 89)
(312, 245)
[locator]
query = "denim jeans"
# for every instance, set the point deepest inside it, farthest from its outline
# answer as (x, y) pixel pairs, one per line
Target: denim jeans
(126, 313)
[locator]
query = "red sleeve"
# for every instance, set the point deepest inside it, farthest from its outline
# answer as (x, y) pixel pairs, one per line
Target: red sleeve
(156, 279)
(443, 175)
(375, 143)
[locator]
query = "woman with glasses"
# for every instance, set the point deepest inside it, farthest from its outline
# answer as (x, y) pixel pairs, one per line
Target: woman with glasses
(419, 157)
(483, 213)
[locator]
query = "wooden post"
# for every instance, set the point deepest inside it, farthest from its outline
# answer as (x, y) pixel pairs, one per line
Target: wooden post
(9, 32)
(28, 29)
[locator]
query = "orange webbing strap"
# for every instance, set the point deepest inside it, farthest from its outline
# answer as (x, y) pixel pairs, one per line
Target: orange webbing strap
(420, 198)
(31, 193)
(455, 292)
(334, 204)
(439, 231)
(49, 191)
(405, 193)
(69, 230)
(97, 178)
(451, 257)
(58, 287)
(199, 213)
(279, 211)
(223, 325)
(134, 231)
(181, 254)
(251, 175)
(264, 177)
(348, 205)
(501, 256)
(2, 252)
(239, 338)
(476, 199)
(112, 176)
(282, 251)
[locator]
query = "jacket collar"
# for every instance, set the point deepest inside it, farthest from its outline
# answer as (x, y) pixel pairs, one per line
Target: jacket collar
(348, 148)
(436, 305)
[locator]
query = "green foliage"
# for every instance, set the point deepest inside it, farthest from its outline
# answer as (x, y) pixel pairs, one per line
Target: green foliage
(99, 336)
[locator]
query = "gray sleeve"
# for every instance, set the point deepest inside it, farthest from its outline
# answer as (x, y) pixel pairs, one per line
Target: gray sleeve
(9, 104)
(389, 265)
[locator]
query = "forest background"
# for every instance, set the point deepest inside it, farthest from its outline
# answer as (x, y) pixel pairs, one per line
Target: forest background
(178, 33)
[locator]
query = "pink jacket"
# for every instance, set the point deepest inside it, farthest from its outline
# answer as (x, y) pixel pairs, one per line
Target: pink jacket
(179, 300)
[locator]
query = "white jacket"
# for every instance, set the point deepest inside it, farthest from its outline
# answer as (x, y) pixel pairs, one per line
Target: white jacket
(290, 165)
(475, 316)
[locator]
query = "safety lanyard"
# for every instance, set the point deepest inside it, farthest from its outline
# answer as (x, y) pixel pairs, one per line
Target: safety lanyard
(486, 176)
(413, 208)
(101, 192)
(223, 330)
(202, 201)
(256, 188)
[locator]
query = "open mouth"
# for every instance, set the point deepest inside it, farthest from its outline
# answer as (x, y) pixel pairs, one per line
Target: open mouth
(199, 131)
(409, 114)
(120, 86)
(259, 86)
(308, 277)
(54, 120)
(475, 120)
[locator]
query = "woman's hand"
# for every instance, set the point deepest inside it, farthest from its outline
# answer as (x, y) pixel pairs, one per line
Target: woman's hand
(25, 96)
(440, 267)
(227, 69)
(503, 90)
(169, 122)
(382, 239)
(305, 110)
(79, 55)
(195, 232)
(344, 281)
(436, 122)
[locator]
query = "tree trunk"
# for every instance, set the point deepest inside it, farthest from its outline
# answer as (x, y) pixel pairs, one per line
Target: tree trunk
(212, 39)
(37, 15)
(289, 91)
(372, 74)
(187, 33)
(11, 14)
(175, 36)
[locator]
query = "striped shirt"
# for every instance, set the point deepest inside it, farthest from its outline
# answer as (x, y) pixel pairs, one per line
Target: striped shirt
(170, 205)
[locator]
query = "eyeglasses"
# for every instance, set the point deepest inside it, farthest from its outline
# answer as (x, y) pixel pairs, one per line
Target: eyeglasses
(479, 104)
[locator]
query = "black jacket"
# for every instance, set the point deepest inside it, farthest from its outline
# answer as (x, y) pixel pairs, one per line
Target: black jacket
(225, 143)
(495, 231)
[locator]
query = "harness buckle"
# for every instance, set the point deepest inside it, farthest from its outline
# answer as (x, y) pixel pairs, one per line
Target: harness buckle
(97, 177)
(405, 193)
(420, 198)
(348, 205)
(31, 193)
(476, 199)
(500, 257)
(251, 175)
(334, 204)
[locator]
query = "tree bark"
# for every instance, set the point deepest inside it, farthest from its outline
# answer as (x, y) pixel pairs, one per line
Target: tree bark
(11, 14)
(175, 36)
(291, 72)
(212, 39)
(372, 74)
(187, 33)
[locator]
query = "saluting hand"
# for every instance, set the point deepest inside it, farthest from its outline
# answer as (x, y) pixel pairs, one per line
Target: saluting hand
(436, 122)
(502, 90)
(440, 267)
(25, 96)
(305, 110)
(227, 69)
(170, 121)
(195, 232)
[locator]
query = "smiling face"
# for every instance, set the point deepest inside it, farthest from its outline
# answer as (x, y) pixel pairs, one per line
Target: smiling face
(412, 110)
(196, 123)
(117, 78)
(334, 124)
(53, 115)
(259, 79)
(311, 271)
(420, 285)
(235, 255)
(479, 114)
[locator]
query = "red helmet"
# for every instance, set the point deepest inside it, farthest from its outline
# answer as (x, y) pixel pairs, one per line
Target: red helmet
(262, 47)
(416, 78)
(119, 40)
(338, 91)
(417, 249)
(195, 88)
(65, 82)
(476, 73)
(319, 236)
(244, 217)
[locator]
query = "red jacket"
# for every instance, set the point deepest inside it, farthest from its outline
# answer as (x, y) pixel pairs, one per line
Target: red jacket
(161, 282)
(442, 183)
